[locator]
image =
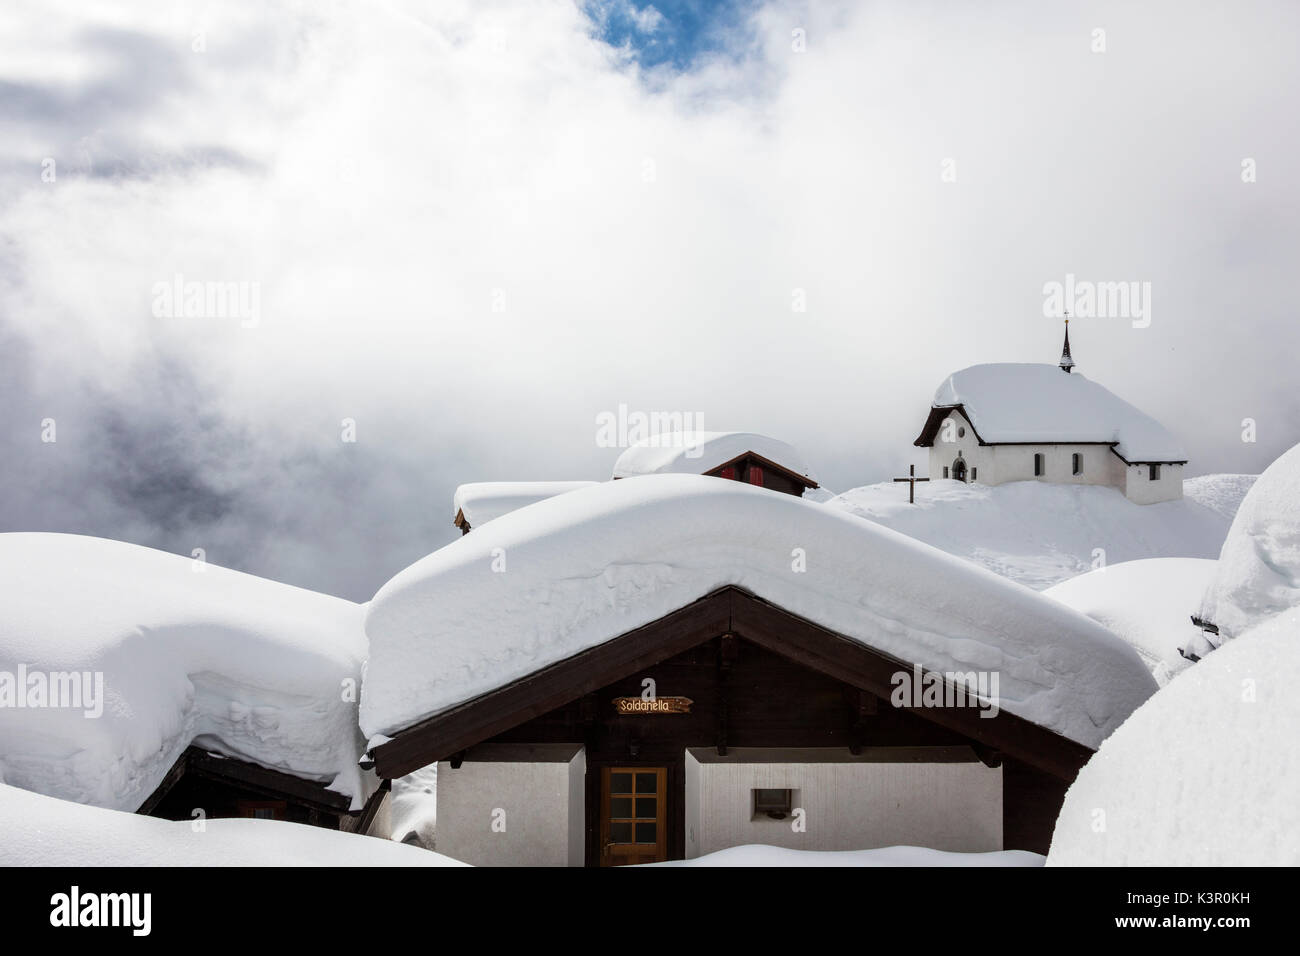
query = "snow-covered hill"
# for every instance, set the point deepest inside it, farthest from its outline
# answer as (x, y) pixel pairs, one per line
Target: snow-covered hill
(1041, 534)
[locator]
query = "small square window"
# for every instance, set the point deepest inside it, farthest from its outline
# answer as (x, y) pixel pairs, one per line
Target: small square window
(262, 809)
(774, 803)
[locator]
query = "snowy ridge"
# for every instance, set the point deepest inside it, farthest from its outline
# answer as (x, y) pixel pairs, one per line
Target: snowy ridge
(36, 830)
(1149, 603)
(188, 652)
(693, 453)
(1009, 402)
(1039, 533)
(481, 501)
(544, 583)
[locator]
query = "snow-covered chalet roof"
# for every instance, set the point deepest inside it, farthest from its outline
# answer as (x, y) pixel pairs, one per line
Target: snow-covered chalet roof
(188, 652)
(1259, 567)
(1008, 403)
(481, 501)
(547, 582)
(694, 453)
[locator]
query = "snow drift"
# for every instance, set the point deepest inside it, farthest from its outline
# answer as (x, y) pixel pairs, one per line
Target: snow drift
(754, 854)
(1259, 567)
(1206, 773)
(1040, 534)
(1148, 603)
(548, 581)
(187, 652)
(36, 830)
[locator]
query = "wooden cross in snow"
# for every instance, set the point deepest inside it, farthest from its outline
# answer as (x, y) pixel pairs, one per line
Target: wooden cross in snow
(911, 480)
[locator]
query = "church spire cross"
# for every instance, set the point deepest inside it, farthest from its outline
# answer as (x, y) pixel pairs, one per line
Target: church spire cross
(1067, 362)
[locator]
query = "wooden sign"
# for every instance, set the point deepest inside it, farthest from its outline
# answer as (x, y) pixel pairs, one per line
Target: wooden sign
(654, 705)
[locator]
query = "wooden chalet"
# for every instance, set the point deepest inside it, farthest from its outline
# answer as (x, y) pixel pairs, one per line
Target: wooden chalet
(757, 716)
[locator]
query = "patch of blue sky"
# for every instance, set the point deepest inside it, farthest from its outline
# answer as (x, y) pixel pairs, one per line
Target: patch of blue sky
(671, 33)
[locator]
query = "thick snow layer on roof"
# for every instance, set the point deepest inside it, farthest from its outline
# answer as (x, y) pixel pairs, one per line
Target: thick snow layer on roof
(187, 651)
(1148, 603)
(542, 584)
(481, 501)
(1205, 773)
(1040, 533)
(1259, 566)
(37, 830)
(693, 453)
(1040, 403)
(755, 854)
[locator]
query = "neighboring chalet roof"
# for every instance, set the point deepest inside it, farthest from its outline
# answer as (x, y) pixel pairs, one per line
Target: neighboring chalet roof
(1040, 404)
(1258, 574)
(188, 651)
(695, 453)
(587, 568)
(478, 502)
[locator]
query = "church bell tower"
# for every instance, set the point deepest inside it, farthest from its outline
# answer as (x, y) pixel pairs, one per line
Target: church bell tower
(1067, 362)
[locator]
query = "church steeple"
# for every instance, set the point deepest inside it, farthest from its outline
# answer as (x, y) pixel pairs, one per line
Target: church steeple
(1067, 362)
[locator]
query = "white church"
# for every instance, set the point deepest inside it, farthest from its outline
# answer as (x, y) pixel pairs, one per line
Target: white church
(1029, 422)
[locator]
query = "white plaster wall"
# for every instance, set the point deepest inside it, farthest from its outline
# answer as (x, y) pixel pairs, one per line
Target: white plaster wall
(848, 805)
(577, 809)
(1016, 463)
(538, 800)
(1141, 489)
(943, 454)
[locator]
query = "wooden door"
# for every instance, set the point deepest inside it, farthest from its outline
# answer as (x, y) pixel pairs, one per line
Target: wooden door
(633, 815)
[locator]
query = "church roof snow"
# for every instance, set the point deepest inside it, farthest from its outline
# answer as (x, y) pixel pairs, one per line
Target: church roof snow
(1009, 403)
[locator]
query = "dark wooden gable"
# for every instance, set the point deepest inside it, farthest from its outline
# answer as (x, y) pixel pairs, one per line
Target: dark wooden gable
(708, 626)
(224, 787)
(757, 470)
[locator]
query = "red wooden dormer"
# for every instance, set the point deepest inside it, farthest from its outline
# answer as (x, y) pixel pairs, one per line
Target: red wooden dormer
(737, 456)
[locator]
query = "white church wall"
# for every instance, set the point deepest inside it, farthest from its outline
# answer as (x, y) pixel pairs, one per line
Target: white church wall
(533, 801)
(1138, 486)
(849, 802)
(957, 438)
(1016, 463)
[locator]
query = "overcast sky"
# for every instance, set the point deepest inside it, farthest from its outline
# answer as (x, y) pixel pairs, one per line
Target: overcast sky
(471, 228)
